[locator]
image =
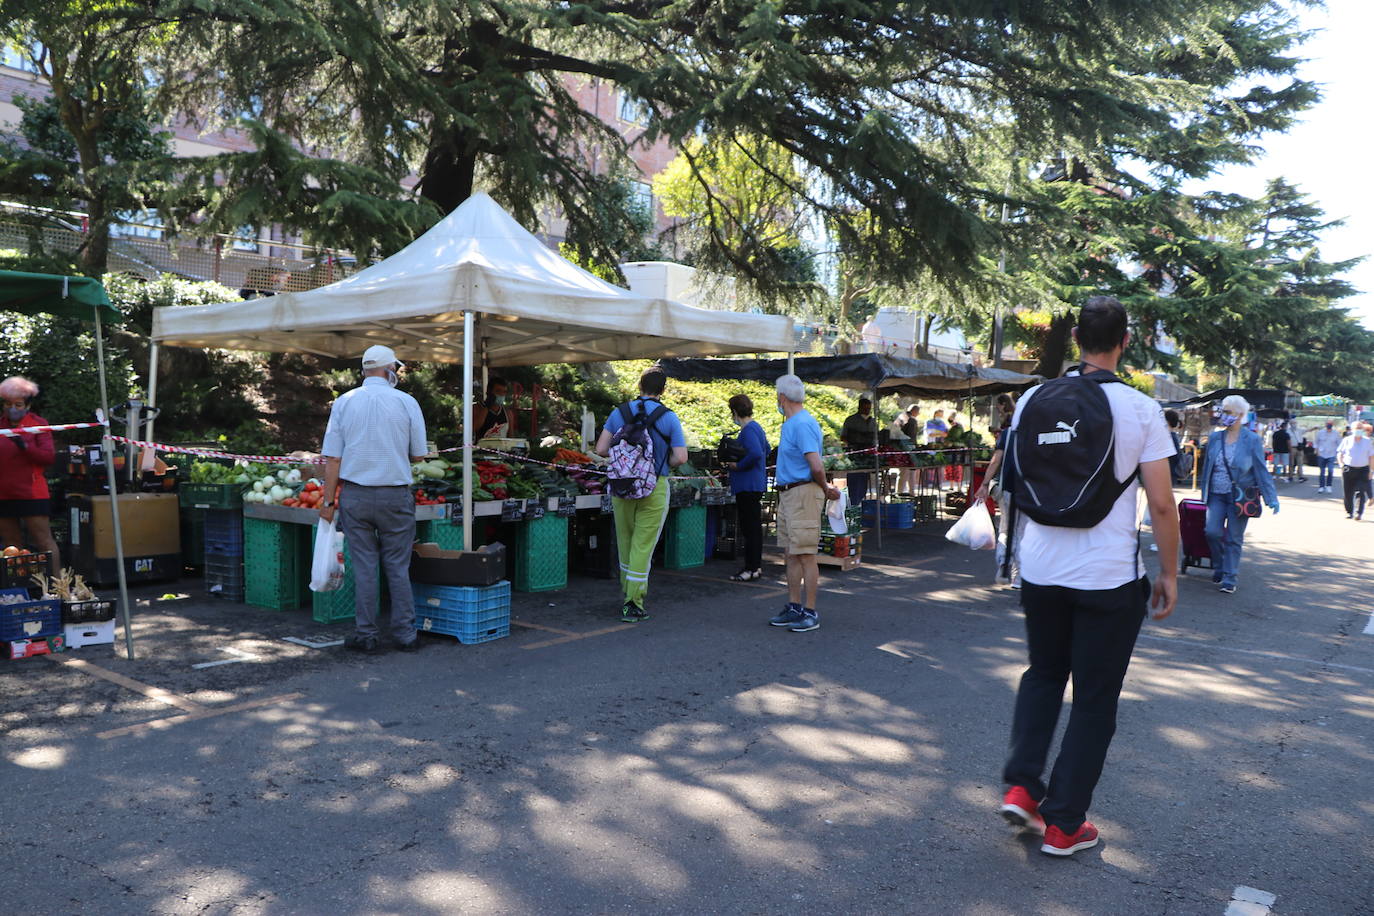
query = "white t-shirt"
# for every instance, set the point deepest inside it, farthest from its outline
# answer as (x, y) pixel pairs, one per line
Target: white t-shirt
(1105, 556)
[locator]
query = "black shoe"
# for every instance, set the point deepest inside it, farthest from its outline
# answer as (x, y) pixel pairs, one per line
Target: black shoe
(412, 646)
(364, 644)
(633, 613)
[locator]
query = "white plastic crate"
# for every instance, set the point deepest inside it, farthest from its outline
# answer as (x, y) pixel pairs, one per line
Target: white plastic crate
(89, 634)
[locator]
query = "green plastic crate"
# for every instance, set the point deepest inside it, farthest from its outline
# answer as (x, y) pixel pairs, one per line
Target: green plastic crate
(541, 554)
(338, 606)
(276, 563)
(440, 531)
(684, 538)
(211, 495)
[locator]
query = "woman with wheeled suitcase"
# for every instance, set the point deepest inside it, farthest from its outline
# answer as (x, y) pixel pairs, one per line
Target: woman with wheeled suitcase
(1234, 481)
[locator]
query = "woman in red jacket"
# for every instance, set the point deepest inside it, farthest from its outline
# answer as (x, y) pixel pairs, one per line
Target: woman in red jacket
(24, 459)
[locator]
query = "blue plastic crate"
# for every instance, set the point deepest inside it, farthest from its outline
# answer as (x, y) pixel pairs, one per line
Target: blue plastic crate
(26, 619)
(474, 614)
(224, 532)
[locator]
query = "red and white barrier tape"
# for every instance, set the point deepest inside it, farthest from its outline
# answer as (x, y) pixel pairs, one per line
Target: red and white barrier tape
(56, 428)
(207, 453)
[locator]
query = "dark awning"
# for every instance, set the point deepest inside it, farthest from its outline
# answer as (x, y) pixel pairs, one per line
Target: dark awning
(915, 378)
(1276, 399)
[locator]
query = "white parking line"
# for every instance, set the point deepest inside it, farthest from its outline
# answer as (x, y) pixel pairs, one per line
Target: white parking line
(242, 657)
(1369, 627)
(1247, 901)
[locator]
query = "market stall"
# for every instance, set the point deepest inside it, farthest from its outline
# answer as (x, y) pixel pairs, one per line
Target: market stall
(877, 374)
(480, 290)
(85, 299)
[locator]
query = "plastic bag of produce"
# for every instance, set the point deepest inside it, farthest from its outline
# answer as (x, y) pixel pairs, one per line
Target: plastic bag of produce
(974, 529)
(327, 571)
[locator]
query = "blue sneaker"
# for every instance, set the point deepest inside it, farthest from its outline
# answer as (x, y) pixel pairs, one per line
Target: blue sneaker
(790, 616)
(810, 620)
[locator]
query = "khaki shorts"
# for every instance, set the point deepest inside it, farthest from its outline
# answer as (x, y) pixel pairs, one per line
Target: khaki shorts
(799, 518)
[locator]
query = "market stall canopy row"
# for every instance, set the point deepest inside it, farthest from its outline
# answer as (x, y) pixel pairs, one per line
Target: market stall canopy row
(916, 378)
(1267, 402)
(532, 306)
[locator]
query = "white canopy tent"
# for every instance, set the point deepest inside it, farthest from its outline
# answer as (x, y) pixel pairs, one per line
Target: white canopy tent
(476, 281)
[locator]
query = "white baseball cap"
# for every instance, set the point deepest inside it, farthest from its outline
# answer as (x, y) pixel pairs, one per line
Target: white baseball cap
(378, 356)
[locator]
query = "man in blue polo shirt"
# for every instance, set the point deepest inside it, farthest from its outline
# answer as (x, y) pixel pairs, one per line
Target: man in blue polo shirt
(803, 490)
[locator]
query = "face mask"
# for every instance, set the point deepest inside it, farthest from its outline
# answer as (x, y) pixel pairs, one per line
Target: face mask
(498, 399)
(740, 421)
(780, 410)
(1359, 434)
(1328, 426)
(392, 378)
(1228, 419)
(16, 413)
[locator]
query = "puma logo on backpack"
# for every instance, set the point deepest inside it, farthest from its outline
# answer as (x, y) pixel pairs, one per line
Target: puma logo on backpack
(633, 470)
(1065, 434)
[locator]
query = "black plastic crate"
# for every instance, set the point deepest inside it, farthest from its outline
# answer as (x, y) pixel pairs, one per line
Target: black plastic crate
(18, 571)
(224, 577)
(97, 611)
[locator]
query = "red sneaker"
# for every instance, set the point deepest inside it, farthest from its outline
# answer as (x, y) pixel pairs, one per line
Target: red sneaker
(1021, 810)
(1059, 843)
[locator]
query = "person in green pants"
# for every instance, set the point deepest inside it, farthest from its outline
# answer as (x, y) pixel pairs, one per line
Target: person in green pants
(639, 522)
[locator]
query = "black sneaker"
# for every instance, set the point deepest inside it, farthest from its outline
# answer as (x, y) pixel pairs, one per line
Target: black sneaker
(633, 613)
(364, 644)
(412, 646)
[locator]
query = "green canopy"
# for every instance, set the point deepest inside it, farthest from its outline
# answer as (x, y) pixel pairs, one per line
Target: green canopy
(1325, 400)
(50, 294)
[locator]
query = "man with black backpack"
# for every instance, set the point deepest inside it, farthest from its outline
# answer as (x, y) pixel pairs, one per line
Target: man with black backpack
(1079, 450)
(644, 441)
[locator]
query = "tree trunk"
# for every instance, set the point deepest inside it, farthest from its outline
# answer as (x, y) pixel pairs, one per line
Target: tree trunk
(449, 173)
(1056, 346)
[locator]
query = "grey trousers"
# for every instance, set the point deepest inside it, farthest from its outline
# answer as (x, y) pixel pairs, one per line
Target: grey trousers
(379, 524)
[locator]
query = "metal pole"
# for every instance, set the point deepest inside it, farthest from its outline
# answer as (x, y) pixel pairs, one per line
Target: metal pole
(152, 390)
(467, 430)
(790, 364)
(107, 446)
(878, 490)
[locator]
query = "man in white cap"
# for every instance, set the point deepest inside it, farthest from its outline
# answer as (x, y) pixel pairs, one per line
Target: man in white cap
(374, 434)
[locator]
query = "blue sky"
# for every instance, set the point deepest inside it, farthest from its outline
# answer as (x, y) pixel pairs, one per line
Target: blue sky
(1330, 155)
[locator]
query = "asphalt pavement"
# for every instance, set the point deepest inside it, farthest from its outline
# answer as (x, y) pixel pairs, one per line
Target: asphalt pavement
(703, 762)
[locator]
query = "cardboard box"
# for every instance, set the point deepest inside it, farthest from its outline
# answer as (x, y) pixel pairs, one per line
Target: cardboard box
(430, 565)
(26, 648)
(151, 523)
(77, 635)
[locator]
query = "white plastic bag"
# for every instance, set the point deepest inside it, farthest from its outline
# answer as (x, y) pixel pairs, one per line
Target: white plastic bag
(974, 529)
(327, 570)
(834, 510)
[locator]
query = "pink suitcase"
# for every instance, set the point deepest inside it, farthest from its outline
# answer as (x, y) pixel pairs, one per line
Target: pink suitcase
(1192, 526)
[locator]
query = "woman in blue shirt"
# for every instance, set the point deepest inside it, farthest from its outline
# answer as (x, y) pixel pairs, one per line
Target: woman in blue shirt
(748, 480)
(1234, 461)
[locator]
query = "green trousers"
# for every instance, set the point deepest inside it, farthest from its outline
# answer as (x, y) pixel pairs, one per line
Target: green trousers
(638, 524)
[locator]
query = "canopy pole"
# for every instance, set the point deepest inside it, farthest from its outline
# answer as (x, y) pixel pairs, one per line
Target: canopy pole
(467, 430)
(107, 446)
(152, 390)
(882, 479)
(790, 367)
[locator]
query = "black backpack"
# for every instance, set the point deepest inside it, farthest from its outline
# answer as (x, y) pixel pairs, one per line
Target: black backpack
(1061, 457)
(730, 450)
